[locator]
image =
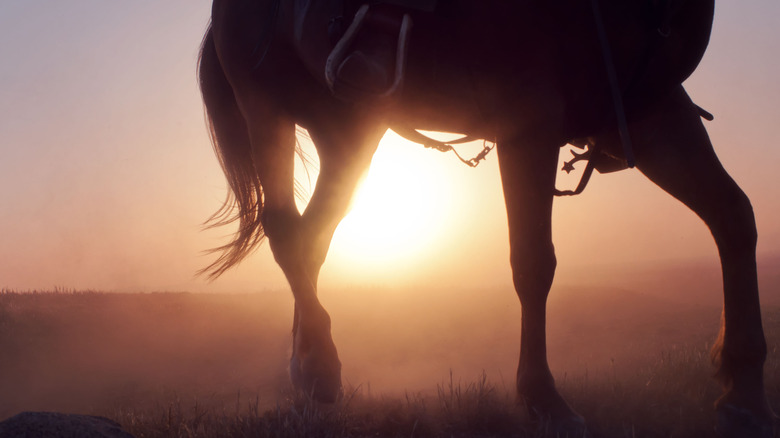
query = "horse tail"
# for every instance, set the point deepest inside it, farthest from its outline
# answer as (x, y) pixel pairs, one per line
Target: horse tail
(230, 139)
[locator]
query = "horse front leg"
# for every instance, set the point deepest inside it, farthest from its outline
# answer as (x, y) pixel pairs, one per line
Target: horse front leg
(345, 146)
(273, 138)
(528, 178)
(315, 368)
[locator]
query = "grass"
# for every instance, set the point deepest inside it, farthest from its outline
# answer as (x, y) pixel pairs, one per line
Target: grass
(666, 399)
(186, 366)
(476, 409)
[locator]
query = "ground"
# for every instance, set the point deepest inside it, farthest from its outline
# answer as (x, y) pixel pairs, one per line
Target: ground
(438, 363)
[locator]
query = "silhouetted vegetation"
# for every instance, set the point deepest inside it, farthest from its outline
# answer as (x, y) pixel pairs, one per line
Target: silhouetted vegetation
(191, 365)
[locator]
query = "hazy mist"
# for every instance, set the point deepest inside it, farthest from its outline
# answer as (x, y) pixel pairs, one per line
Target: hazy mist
(103, 352)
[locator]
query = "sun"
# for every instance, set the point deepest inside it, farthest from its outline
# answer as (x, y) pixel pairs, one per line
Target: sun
(399, 212)
(395, 212)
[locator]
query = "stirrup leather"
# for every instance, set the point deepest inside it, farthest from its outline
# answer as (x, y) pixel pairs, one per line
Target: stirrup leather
(342, 50)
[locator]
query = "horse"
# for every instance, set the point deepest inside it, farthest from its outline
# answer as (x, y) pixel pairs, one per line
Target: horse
(533, 76)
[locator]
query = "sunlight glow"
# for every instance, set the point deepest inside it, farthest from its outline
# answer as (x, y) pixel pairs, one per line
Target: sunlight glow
(399, 211)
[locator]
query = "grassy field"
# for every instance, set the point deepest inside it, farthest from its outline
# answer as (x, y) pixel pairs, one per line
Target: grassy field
(199, 365)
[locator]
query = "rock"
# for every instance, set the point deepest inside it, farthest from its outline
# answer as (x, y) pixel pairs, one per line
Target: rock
(56, 425)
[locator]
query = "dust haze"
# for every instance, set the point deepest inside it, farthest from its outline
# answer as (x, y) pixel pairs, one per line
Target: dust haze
(103, 353)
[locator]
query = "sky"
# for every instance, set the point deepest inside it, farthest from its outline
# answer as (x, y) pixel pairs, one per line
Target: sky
(107, 174)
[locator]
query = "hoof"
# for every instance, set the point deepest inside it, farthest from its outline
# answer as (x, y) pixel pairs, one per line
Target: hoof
(571, 427)
(736, 422)
(555, 418)
(317, 378)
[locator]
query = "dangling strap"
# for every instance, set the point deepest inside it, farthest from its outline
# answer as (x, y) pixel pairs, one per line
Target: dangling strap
(617, 97)
(416, 137)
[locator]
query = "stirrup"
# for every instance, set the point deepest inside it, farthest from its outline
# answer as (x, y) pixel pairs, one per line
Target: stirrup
(342, 49)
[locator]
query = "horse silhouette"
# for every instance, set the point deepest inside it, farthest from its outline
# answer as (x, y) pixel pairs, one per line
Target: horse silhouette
(534, 76)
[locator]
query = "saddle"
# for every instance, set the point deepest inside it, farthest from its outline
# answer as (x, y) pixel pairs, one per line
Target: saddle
(379, 31)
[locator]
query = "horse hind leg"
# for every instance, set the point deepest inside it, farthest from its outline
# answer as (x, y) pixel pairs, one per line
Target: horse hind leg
(256, 146)
(674, 151)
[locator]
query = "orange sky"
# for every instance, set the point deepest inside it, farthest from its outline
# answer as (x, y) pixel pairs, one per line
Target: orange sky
(106, 170)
